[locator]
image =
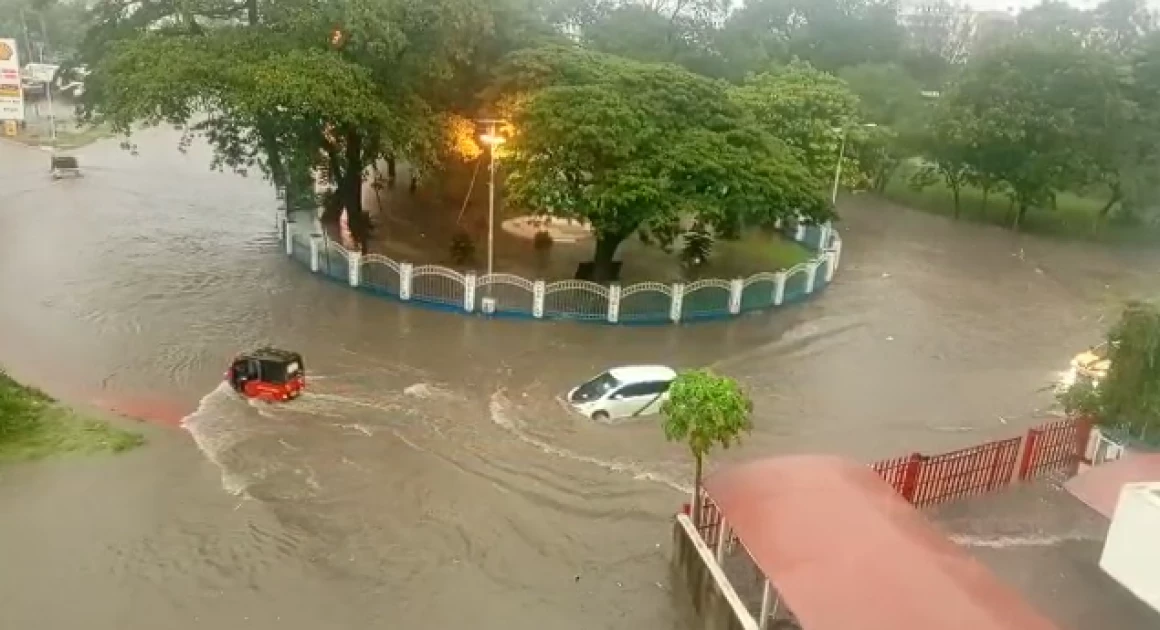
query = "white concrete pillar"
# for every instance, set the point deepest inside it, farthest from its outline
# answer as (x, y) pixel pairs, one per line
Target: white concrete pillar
(811, 275)
(354, 267)
(288, 228)
(614, 303)
(538, 299)
(314, 258)
(677, 301)
(779, 289)
(736, 286)
(832, 259)
(469, 291)
(406, 274)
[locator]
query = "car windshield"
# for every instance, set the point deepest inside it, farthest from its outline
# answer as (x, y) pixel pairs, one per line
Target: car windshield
(595, 388)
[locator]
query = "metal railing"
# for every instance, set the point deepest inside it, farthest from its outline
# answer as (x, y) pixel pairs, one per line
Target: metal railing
(513, 295)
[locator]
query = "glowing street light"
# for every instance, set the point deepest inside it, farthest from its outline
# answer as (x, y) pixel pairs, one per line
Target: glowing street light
(493, 140)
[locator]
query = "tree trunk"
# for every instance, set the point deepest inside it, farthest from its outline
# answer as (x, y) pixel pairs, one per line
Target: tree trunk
(1019, 216)
(252, 12)
(955, 193)
(602, 258)
(350, 189)
(986, 194)
(391, 172)
(1117, 195)
(697, 501)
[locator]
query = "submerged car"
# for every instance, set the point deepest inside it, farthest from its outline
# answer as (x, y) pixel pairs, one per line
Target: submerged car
(268, 374)
(1091, 365)
(623, 392)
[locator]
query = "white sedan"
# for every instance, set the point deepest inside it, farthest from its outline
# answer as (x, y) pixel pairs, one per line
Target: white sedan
(623, 392)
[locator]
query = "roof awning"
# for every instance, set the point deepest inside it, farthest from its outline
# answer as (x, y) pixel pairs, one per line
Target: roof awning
(846, 552)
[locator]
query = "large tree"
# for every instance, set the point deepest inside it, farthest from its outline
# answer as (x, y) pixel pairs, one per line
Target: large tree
(631, 147)
(808, 109)
(334, 84)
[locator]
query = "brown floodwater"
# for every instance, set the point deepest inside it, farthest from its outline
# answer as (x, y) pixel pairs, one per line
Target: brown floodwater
(431, 478)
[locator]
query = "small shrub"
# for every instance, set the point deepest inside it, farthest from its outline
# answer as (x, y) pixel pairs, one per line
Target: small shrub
(462, 248)
(542, 241)
(697, 248)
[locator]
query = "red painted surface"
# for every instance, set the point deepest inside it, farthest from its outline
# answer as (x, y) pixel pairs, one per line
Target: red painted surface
(1099, 487)
(1054, 447)
(275, 392)
(932, 479)
(846, 551)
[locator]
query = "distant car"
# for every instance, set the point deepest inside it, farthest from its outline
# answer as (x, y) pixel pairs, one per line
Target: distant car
(623, 392)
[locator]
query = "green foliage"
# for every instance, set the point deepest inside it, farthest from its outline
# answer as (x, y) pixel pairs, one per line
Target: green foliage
(705, 410)
(698, 246)
(628, 146)
(804, 107)
(1129, 396)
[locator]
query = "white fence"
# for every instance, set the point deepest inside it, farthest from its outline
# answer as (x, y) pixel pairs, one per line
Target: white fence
(509, 294)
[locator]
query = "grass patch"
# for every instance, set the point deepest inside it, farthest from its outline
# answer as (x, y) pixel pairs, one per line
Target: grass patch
(34, 426)
(67, 136)
(1075, 216)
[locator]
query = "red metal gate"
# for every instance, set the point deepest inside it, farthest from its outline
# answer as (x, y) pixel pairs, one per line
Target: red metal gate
(926, 480)
(1054, 448)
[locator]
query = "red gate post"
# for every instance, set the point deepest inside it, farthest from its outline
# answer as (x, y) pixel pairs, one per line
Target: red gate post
(1027, 460)
(1083, 435)
(910, 472)
(996, 478)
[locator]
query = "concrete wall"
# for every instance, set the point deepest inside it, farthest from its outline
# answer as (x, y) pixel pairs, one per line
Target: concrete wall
(1132, 551)
(716, 603)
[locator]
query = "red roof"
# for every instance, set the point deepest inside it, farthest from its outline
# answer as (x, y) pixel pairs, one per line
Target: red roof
(846, 552)
(1100, 486)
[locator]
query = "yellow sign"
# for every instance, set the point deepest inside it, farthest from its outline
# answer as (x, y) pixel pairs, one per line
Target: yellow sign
(12, 90)
(10, 128)
(6, 51)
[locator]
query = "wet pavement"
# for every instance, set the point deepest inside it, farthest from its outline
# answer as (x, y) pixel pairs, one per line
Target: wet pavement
(431, 477)
(1046, 543)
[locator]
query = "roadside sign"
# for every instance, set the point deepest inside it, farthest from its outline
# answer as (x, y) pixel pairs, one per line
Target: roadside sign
(11, 93)
(10, 128)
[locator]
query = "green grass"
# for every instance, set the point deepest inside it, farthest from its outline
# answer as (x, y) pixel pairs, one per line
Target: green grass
(1076, 216)
(66, 137)
(34, 426)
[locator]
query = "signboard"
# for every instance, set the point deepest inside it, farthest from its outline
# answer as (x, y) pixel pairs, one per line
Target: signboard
(11, 94)
(10, 128)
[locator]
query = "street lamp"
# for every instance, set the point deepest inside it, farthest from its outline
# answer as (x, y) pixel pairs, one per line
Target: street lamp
(845, 131)
(492, 139)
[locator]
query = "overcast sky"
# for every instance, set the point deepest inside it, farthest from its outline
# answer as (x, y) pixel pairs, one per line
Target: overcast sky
(1003, 5)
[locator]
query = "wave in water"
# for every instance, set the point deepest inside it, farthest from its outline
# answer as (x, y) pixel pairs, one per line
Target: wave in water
(504, 415)
(216, 428)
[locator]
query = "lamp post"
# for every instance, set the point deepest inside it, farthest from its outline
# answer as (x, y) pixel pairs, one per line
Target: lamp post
(492, 139)
(845, 131)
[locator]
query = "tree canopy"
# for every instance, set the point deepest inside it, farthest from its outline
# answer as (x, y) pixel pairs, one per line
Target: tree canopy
(629, 146)
(1129, 396)
(1027, 106)
(705, 410)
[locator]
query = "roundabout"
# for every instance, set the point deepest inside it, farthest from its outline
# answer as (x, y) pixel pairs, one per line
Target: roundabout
(508, 294)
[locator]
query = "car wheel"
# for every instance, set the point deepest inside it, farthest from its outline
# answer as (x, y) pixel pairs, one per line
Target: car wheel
(601, 416)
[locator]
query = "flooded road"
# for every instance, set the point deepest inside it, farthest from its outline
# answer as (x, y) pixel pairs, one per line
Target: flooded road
(431, 478)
